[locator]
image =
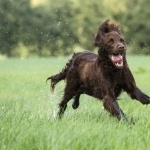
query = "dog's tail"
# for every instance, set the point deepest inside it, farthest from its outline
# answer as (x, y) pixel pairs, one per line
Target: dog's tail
(61, 75)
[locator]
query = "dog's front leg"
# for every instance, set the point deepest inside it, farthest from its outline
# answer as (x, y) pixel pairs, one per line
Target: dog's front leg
(137, 94)
(131, 88)
(111, 105)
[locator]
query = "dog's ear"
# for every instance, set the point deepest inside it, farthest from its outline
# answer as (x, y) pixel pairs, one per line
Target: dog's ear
(97, 41)
(107, 27)
(103, 29)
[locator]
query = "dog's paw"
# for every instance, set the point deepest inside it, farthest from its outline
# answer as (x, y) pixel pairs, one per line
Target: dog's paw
(75, 105)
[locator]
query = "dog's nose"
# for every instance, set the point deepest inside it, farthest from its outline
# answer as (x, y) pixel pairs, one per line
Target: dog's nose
(121, 46)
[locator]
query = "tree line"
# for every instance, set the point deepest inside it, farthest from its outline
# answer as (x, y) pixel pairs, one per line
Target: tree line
(59, 27)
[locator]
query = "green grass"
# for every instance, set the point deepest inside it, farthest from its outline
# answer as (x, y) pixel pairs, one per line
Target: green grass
(27, 108)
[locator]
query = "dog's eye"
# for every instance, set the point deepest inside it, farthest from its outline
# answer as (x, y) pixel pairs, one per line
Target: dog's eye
(111, 41)
(122, 40)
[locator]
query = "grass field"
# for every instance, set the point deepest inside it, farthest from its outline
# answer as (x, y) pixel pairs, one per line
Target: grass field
(27, 108)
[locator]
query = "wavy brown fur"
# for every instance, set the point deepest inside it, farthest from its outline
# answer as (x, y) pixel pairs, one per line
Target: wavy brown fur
(61, 75)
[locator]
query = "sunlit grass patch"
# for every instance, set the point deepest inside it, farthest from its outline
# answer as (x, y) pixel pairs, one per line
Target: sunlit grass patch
(27, 111)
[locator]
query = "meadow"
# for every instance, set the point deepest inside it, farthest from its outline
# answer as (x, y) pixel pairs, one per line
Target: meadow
(27, 108)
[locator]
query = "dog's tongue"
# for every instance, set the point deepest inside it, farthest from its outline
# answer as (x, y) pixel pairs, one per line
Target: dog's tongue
(116, 58)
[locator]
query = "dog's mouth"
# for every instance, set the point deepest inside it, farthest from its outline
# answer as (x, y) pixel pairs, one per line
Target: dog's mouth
(117, 59)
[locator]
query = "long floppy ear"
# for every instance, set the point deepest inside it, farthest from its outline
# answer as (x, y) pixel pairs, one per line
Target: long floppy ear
(103, 29)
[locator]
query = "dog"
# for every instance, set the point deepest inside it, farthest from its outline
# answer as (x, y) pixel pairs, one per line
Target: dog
(104, 75)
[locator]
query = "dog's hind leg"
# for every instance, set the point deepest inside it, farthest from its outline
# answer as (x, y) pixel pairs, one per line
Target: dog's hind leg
(76, 103)
(69, 93)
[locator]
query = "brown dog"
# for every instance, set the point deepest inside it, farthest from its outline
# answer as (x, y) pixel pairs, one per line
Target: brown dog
(103, 76)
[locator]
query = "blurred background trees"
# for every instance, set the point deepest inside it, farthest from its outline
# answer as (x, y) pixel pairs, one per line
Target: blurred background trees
(59, 27)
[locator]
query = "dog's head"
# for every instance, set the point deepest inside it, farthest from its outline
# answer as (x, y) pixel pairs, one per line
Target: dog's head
(111, 43)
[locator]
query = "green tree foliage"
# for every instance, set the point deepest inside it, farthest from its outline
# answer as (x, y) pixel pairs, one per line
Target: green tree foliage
(62, 26)
(13, 16)
(88, 16)
(58, 26)
(8, 28)
(137, 25)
